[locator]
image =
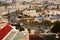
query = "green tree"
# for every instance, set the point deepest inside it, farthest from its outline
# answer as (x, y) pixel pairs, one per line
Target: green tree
(47, 23)
(56, 27)
(18, 11)
(21, 29)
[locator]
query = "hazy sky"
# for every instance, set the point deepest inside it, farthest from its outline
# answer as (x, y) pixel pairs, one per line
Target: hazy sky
(25, 0)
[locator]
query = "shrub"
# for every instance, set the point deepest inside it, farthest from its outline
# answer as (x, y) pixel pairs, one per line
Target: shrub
(56, 27)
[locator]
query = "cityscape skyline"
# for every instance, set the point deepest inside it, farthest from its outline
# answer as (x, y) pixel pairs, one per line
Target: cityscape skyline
(31, 0)
(30, 19)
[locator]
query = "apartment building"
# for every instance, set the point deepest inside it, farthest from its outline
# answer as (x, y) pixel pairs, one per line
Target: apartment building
(21, 7)
(52, 6)
(30, 13)
(2, 8)
(38, 1)
(54, 1)
(50, 12)
(25, 0)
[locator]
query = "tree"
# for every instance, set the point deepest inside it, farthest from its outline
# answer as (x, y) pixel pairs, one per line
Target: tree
(18, 11)
(29, 30)
(56, 27)
(21, 29)
(47, 23)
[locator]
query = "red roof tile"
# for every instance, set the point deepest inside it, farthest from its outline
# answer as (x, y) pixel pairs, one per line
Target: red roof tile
(5, 31)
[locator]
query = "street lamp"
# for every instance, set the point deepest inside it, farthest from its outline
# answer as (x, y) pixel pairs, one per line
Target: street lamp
(21, 24)
(57, 36)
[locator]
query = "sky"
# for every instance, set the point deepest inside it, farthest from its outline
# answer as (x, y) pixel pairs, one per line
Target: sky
(21, 0)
